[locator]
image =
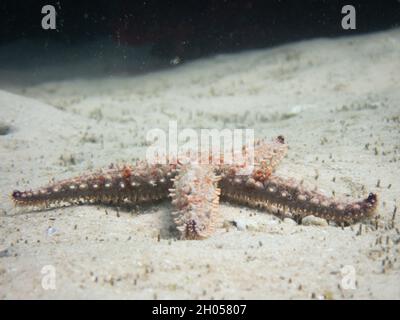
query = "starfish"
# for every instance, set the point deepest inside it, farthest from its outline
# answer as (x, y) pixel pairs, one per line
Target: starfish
(195, 190)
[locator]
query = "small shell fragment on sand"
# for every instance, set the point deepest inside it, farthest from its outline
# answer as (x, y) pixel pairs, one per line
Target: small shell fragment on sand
(314, 221)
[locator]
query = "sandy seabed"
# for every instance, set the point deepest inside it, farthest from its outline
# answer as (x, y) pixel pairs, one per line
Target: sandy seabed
(337, 102)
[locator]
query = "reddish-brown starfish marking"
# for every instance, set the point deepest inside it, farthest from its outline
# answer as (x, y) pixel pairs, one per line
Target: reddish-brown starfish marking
(195, 190)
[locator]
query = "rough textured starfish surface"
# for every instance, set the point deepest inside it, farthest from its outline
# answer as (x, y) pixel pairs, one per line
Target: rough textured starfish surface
(195, 190)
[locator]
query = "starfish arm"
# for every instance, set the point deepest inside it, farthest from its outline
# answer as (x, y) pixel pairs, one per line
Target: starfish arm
(268, 155)
(261, 158)
(285, 197)
(115, 185)
(195, 196)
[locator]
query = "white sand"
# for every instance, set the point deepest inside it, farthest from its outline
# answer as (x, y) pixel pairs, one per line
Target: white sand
(337, 102)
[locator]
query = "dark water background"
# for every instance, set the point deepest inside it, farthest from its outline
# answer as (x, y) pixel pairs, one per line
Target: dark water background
(131, 37)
